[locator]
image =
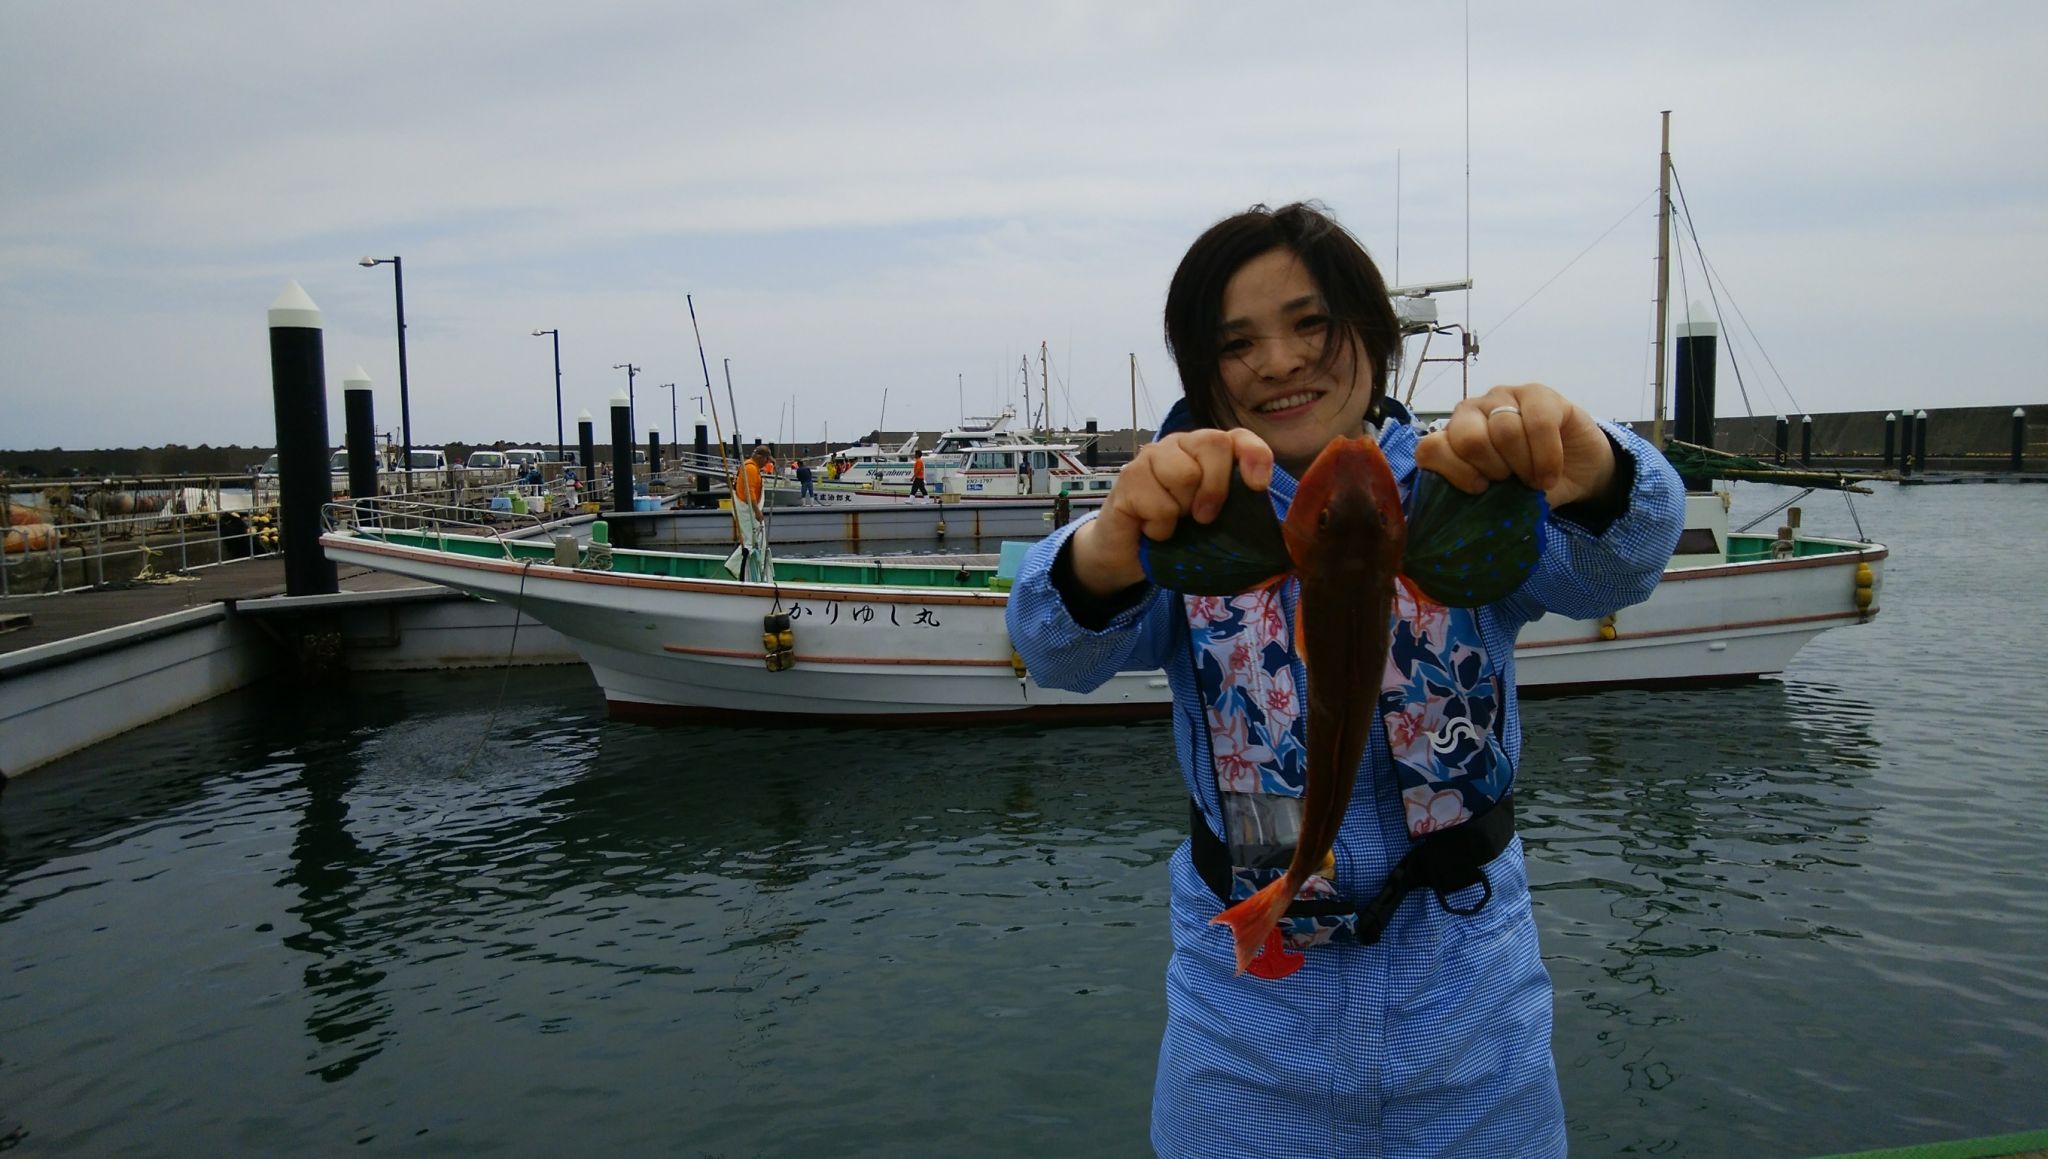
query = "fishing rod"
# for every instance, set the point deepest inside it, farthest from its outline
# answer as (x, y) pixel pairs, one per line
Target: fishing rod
(731, 479)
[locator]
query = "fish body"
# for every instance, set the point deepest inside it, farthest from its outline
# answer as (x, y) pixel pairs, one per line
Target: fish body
(1345, 536)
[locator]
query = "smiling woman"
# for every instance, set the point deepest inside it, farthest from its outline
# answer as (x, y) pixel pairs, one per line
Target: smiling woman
(1267, 317)
(1399, 1004)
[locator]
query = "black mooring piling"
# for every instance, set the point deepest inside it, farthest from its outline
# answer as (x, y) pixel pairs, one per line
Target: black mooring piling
(586, 456)
(1693, 396)
(622, 453)
(298, 393)
(360, 437)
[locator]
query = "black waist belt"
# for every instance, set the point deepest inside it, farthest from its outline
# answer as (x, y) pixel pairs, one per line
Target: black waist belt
(1443, 862)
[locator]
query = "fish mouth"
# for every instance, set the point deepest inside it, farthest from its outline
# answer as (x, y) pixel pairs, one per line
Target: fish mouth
(1288, 404)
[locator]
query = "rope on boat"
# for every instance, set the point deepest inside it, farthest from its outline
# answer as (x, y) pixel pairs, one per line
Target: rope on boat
(511, 650)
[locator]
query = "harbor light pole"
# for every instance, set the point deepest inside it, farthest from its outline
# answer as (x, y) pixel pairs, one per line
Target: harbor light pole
(630, 370)
(560, 444)
(404, 392)
(675, 445)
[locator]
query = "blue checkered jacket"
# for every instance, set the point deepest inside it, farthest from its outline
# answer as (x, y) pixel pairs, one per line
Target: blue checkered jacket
(1435, 1040)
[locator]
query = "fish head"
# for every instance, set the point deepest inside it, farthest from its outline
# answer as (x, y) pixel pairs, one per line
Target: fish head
(1345, 522)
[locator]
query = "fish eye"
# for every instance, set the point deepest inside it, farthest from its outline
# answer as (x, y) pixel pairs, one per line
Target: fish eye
(1323, 519)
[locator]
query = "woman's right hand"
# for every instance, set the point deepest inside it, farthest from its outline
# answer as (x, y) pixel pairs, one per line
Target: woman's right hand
(1184, 473)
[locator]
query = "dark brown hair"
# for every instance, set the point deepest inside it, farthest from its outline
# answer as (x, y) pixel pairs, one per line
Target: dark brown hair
(1354, 295)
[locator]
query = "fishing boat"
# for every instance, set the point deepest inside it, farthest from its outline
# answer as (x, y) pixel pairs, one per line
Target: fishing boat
(674, 634)
(923, 638)
(982, 459)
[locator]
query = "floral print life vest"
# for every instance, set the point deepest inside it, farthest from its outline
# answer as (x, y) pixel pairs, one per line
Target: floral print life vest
(1442, 702)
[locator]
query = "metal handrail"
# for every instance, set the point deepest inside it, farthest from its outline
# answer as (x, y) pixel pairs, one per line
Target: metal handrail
(389, 513)
(110, 530)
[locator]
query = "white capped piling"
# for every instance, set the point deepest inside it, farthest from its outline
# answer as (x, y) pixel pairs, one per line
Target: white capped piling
(1806, 441)
(586, 453)
(2019, 438)
(298, 394)
(1693, 393)
(622, 452)
(1920, 442)
(1891, 437)
(1784, 438)
(360, 437)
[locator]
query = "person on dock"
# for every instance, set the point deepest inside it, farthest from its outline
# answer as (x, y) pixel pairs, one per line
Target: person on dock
(749, 506)
(1394, 1016)
(917, 474)
(807, 494)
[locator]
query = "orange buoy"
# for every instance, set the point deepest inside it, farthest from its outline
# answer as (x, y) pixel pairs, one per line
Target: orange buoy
(23, 537)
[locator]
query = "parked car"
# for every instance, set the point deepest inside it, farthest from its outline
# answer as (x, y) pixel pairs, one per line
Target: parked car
(520, 458)
(486, 461)
(569, 457)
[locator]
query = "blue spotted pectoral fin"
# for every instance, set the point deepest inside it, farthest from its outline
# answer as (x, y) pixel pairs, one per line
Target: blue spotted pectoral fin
(1239, 550)
(1466, 551)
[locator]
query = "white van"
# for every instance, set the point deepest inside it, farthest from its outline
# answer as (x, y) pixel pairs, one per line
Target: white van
(485, 461)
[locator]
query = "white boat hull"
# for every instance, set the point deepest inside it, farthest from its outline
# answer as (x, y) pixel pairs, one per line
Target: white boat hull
(662, 646)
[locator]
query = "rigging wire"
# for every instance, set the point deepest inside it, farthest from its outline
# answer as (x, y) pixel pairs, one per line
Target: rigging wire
(1468, 175)
(1618, 222)
(1714, 277)
(1145, 392)
(1734, 363)
(1495, 329)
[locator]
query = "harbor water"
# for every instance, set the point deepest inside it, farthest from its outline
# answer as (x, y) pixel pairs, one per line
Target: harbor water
(464, 913)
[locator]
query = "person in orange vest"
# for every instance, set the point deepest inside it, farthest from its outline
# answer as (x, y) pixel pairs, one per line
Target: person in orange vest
(917, 474)
(749, 506)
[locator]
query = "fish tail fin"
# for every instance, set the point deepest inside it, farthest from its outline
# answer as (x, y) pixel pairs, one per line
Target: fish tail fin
(1252, 919)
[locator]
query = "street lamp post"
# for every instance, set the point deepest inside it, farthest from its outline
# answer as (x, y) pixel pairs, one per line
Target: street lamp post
(675, 440)
(630, 370)
(560, 445)
(404, 391)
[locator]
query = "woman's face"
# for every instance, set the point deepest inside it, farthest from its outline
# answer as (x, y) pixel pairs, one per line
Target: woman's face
(1273, 331)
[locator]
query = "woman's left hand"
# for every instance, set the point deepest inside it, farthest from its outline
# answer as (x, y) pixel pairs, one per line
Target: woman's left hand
(1528, 432)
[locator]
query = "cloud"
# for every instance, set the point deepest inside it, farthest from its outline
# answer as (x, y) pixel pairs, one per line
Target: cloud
(911, 197)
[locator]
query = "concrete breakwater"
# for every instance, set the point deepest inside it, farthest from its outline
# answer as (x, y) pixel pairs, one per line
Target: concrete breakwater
(1968, 438)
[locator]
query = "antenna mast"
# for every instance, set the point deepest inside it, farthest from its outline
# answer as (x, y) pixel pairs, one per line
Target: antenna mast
(1663, 276)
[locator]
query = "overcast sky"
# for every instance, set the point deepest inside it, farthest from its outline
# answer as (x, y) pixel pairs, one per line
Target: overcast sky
(910, 198)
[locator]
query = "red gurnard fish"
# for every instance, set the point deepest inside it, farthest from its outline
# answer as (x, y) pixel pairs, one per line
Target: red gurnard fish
(1347, 541)
(1345, 535)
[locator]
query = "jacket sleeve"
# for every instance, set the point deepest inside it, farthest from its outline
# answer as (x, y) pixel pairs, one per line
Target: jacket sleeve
(1584, 575)
(1060, 652)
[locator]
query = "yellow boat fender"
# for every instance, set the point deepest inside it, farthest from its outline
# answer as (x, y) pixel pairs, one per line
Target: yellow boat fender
(778, 641)
(1607, 629)
(1866, 589)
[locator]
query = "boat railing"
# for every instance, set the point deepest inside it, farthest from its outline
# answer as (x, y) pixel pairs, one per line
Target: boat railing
(70, 534)
(425, 517)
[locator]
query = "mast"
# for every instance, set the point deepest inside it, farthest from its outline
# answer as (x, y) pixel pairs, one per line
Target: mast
(1045, 390)
(1134, 404)
(1663, 276)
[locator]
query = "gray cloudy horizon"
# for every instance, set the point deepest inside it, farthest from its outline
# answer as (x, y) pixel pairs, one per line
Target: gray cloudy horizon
(910, 197)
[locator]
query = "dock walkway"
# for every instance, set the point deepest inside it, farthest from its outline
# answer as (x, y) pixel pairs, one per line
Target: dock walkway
(66, 616)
